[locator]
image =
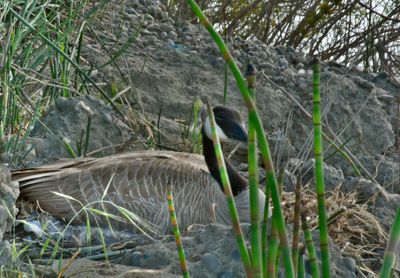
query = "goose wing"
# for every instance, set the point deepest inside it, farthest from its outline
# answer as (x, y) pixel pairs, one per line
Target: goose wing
(136, 181)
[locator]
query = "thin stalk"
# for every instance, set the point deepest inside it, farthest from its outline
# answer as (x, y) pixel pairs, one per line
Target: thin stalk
(319, 175)
(89, 124)
(301, 269)
(273, 249)
(392, 247)
(264, 235)
(253, 116)
(229, 196)
(296, 224)
(225, 76)
(336, 150)
(277, 260)
(177, 234)
(194, 135)
(310, 247)
(253, 181)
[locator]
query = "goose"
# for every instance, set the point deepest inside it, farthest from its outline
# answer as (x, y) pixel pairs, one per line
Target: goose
(137, 181)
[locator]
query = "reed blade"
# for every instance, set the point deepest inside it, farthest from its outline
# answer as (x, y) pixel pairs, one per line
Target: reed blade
(319, 175)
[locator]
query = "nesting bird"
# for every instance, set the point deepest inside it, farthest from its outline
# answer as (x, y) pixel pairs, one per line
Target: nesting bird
(137, 181)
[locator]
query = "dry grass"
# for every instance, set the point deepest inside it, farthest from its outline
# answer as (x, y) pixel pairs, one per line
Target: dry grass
(355, 230)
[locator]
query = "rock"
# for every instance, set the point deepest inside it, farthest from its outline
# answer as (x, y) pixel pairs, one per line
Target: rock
(68, 118)
(9, 193)
(211, 262)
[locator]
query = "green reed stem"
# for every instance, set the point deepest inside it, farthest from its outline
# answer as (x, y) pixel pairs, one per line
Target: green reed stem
(310, 247)
(229, 196)
(177, 234)
(273, 249)
(301, 272)
(264, 235)
(319, 175)
(392, 247)
(253, 181)
(253, 116)
(296, 224)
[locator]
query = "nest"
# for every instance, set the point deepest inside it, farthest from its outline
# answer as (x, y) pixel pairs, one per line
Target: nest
(355, 230)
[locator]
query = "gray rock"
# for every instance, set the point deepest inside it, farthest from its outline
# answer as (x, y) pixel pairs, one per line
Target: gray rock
(332, 177)
(172, 36)
(211, 262)
(9, 193)
(68, 118)
(364, 187)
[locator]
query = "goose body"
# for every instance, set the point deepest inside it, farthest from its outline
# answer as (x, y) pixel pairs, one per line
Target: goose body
(137, 181)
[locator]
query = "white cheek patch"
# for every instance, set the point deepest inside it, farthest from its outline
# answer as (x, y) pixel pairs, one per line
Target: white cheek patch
(221, 134)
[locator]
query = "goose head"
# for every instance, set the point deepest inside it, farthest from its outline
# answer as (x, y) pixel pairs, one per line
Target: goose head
(229, 125)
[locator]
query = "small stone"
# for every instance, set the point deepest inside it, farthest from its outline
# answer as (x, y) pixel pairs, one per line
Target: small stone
(163, 35)
(94, 73)
(186, 29)
(107, 118)
(225, 274)
(211, 262)
(165, 27)
(62, 104)
(149, 19)
(235, 53)
(172, 35)
(283, 62)
(131, 11)
(299, 66)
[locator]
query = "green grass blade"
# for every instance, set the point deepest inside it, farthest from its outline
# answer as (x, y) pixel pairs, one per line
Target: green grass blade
(392, 247)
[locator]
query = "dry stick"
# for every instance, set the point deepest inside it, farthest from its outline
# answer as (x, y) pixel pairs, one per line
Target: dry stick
(177, 234)
(348, 155)
(229, 196)
(69, 263)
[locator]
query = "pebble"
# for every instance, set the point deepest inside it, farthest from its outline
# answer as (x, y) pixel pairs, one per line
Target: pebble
(135, 259)
(211, 262)
(225, 274)
(172, 35)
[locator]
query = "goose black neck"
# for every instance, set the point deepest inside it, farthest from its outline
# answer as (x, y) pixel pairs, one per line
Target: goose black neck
(238, 183)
